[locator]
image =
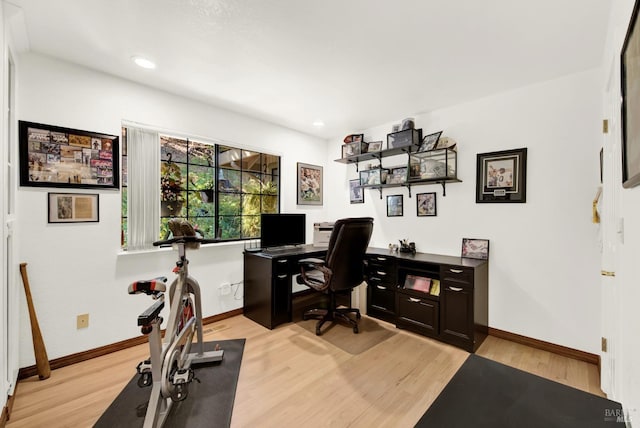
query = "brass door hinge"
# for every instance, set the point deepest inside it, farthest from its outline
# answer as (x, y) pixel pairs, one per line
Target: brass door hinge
(604, 344)
(605, 126)
(607, 273)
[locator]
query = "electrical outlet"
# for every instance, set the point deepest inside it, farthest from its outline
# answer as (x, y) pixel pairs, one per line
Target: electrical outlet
(83, 321)
(225, 289)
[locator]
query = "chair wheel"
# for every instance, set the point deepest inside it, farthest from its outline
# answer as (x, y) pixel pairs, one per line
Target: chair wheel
(318, 333)
(355, 329)
(358, 316)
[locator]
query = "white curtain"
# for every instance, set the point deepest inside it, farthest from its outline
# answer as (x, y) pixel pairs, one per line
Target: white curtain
(143, 169)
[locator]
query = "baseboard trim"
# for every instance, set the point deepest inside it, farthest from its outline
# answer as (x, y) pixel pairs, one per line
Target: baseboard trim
(547, 346)
(68, 360)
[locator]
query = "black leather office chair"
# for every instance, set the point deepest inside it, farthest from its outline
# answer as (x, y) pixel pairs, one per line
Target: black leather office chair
(340, 271)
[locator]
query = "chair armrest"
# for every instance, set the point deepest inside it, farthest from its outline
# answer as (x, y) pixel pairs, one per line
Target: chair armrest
(314, 273)
(311, 261)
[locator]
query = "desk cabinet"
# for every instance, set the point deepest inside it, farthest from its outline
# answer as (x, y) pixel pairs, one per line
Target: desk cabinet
(456, 312)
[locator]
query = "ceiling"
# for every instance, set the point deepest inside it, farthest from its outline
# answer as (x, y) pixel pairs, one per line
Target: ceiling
(353, 64)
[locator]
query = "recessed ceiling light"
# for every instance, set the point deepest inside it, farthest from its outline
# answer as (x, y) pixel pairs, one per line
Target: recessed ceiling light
(144, 62)
(318, 124)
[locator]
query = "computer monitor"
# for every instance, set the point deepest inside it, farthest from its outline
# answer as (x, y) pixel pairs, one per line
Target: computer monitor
(277, 230)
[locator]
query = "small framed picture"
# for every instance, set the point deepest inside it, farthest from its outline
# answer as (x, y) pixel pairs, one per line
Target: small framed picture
(394, 206)
(429, 142)
(309, 184)
(502, 176)
(426, 204)
(73, 208)
(475, 248)
(374, 146)
(356, 193)
(397, 175)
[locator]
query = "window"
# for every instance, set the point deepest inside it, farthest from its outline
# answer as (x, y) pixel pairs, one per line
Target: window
(221, 190)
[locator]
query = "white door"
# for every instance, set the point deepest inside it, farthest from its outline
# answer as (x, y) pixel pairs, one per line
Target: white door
(611, 234)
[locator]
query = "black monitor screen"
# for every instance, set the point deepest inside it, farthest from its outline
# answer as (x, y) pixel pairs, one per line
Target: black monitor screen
(282, 229)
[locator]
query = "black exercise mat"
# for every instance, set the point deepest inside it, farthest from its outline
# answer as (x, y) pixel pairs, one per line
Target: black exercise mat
(484, 393)
(209, 404)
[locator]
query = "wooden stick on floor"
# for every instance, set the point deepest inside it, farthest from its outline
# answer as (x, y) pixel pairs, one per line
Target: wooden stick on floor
(42, 361)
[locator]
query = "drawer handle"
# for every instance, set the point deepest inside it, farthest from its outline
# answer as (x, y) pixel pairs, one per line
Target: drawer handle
(411, 299)
(382, 259)
(455, 288)
(456, 270)
(282, 276)
(381, 273)
(282, 261)
(380, 287)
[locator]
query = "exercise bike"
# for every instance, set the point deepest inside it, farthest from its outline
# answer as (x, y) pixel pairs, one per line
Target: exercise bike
(168, 370)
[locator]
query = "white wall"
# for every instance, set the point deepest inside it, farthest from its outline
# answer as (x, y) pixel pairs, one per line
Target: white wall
(544, 258)
(75, 268)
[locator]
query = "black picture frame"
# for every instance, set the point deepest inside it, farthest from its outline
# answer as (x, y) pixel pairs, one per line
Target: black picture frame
(54, 156)
(475, 249)
(356, 192)
(502, 176)
(395, 206)
(73, 208)
(426, 204)
(630, 82)
(429, 142)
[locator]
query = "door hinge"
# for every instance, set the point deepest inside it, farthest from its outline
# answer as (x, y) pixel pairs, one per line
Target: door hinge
(604, 344)
(607, 273)
(605, 126)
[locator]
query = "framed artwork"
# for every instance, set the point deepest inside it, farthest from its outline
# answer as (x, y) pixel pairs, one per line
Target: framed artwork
(426, 204)
(353, 149)
(53, 156)
(475, 248)
(502, 176)
(309, 184)
(356, 193)
(73, 208)
(397, 175)
(429, 142)
(630, 78)
(394, 206)
(374, 146)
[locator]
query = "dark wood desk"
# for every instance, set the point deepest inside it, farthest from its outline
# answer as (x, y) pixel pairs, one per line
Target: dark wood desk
(457, 315)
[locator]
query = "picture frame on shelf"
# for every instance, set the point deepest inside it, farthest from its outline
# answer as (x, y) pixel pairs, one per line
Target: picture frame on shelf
(630, 75)
(373, 177)
(354, 138)
(502, 176)
(475, 248)
(407, 138)
(397, 175)
(429, 142)
(426, 204)
(309, 184)
(73, 208)
(374, 146)
(353, 149)
(395, 206)
(54, 156)
(356, 193)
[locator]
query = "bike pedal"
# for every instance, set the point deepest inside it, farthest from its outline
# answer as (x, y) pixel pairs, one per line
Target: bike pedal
(182, 376)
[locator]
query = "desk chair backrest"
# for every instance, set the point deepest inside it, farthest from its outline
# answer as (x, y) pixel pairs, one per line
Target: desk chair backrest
(345, 254)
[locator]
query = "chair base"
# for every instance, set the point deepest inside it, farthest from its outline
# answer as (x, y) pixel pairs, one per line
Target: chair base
(337, 314)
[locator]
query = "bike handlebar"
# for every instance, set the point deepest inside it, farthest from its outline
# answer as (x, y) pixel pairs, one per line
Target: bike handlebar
(184, 240)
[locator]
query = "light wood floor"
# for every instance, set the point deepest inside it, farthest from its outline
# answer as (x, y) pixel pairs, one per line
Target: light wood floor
(290, 377)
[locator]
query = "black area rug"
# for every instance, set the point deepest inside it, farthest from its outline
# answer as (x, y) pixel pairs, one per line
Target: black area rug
(209, 404)
(484, 393)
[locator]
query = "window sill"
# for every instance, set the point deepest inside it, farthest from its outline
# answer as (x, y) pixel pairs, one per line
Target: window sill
(165, 249)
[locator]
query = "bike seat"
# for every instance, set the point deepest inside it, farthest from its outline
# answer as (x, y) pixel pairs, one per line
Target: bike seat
(149, 286)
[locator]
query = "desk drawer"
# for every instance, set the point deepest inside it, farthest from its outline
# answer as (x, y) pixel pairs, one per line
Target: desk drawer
(456, 274)
(418, 314)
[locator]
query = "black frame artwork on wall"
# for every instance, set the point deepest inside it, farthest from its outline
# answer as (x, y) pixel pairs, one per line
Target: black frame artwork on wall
(630, 81)
(395, 206)
(54, 156)
(502, 176)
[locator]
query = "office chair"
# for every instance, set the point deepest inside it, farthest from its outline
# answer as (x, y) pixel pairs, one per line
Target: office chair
(340, 271)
